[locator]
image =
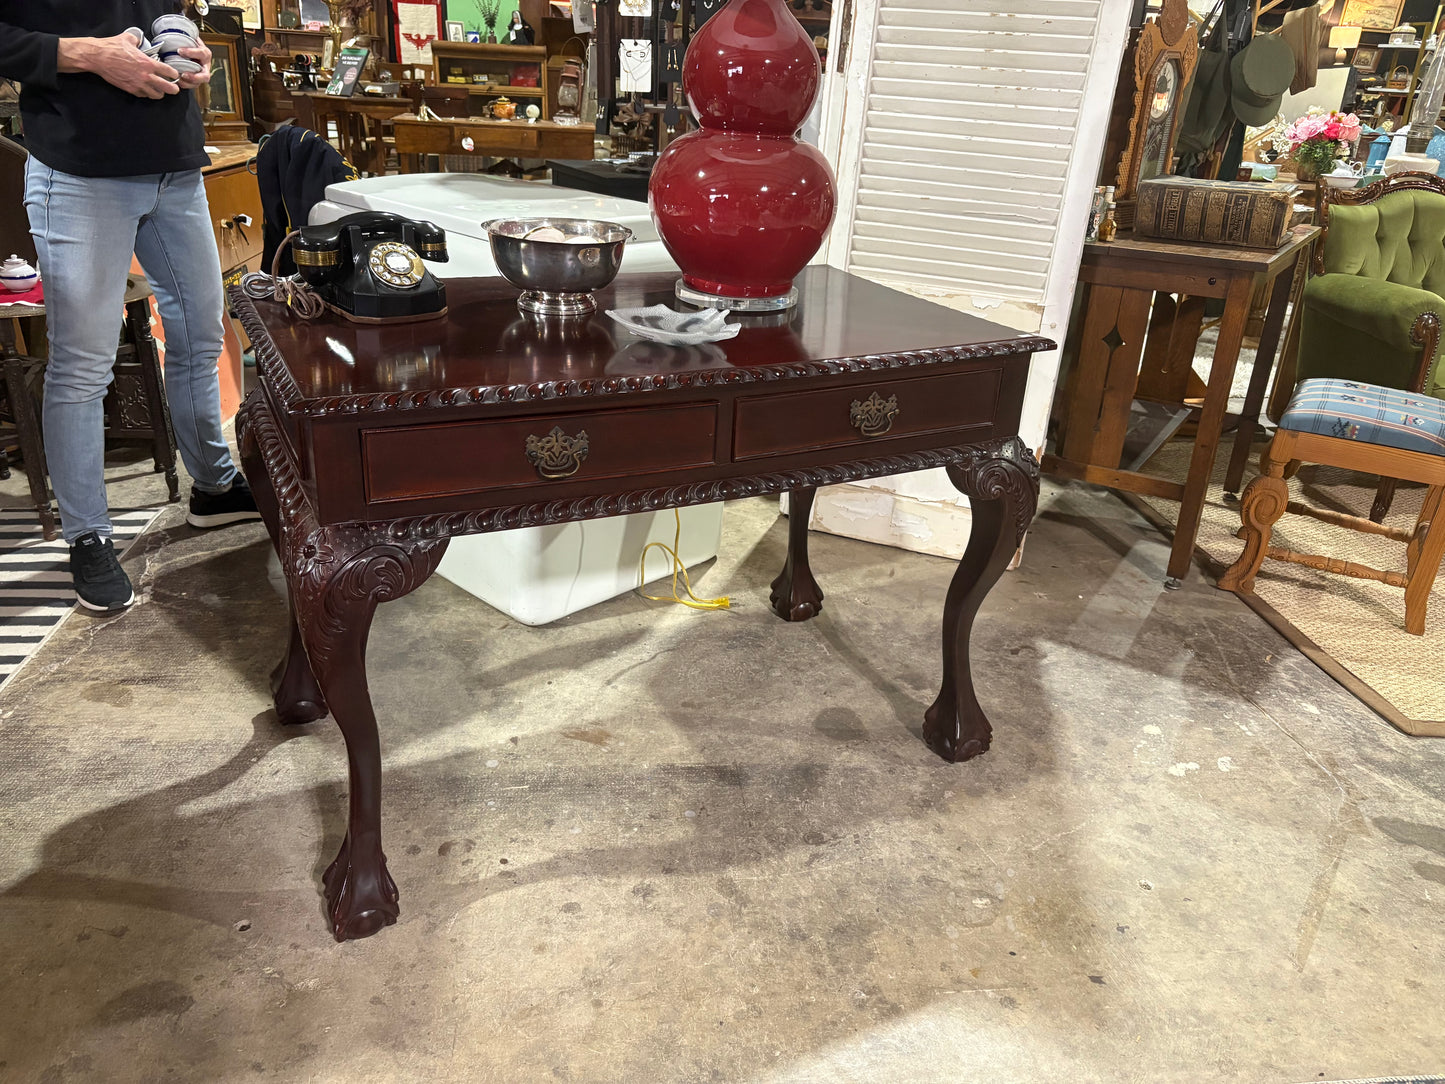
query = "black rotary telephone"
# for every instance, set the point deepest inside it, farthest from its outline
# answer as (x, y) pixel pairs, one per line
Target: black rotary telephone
(368, 266)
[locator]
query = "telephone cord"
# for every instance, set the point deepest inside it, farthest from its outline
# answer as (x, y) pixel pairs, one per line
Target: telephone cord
(290, 290)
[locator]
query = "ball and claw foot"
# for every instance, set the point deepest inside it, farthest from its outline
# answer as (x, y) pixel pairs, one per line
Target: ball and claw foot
(361, 898)
(795, 596)
(941, 734)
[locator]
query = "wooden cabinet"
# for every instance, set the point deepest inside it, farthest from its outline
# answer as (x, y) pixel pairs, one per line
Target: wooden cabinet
(518, 72)
(234, 196)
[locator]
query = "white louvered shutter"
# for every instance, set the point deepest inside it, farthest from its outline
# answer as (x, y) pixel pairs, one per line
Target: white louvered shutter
(966, 138)
(967, 145)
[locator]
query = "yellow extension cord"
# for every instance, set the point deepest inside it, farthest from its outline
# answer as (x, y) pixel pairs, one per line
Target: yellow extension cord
(692, 600)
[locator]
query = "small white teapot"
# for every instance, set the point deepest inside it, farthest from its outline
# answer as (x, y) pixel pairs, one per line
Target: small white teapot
(1345, 174)
(17, 275)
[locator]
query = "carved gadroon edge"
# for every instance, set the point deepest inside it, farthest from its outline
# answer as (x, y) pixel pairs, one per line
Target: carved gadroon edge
(974, 458)
(270, 365)
(1006, 470)
(1010, 457)
(332, 570)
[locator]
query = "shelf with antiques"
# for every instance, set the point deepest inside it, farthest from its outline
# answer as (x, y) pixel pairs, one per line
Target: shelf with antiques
(639, 53)
(816, 17)
(294, 40)
(1391, 59)
(519, 73)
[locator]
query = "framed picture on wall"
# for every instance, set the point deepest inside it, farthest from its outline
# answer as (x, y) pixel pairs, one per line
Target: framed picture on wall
(1372, 14)
(456, 30)
(1366, 58)
(223, 97)
(250, 13)
(418, 24)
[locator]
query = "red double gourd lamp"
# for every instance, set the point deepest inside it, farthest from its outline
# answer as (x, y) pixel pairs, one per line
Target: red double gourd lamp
(742, 204)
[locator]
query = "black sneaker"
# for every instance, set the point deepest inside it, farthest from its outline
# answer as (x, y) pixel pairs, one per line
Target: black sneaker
(100, 583)
(236, 505)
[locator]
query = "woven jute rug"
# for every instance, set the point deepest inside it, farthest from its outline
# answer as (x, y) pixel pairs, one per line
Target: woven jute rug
(1354, 629)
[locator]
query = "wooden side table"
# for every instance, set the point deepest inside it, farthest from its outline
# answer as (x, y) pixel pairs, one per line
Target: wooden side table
(1121, 279)
(416, 138)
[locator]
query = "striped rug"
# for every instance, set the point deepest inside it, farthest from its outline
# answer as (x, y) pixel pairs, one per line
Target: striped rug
(35, 591)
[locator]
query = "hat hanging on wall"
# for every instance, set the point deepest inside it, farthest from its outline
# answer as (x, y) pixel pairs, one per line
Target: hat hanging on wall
(1259, 75)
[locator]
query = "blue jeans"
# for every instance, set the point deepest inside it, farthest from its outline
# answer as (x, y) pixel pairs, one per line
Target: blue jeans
(85, 230)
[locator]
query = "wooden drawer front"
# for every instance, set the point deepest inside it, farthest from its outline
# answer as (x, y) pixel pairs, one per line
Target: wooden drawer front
(517, 138)
(776, 424)
(470, 457)
(231, 193)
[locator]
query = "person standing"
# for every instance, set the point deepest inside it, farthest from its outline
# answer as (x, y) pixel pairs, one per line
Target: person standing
(116, 150)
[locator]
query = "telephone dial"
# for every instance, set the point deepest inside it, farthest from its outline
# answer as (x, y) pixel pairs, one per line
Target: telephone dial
(368, 266)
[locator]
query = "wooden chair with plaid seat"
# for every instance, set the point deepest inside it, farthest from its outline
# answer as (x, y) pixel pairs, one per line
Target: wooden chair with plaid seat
(1361, 427)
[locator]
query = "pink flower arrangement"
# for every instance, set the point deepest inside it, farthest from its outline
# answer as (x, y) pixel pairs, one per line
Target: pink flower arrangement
(1315, 139)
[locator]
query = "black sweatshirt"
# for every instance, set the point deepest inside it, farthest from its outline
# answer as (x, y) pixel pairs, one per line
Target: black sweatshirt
(79, 123)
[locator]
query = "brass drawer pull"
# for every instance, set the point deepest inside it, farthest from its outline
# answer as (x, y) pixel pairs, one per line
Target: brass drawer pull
(873, 416)
(557, 455)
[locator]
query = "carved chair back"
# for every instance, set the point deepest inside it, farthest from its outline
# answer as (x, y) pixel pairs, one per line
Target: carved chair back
(1393, 230)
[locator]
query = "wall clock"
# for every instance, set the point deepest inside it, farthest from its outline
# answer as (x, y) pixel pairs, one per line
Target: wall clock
(1164, 57)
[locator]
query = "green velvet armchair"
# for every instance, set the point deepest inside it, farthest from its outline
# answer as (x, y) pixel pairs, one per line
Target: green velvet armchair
(1372, 311)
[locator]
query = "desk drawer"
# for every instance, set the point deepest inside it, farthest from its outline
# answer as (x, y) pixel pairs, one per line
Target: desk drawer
(470, 457)
(864, 413)
(516, 139)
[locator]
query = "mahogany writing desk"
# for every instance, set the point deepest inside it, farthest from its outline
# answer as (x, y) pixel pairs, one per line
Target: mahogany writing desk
(368, 446)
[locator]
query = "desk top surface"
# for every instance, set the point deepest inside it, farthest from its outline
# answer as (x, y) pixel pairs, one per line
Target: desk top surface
(486, 122)
(484, 350)
(229, 156)
(358, 100)
(1213, 257)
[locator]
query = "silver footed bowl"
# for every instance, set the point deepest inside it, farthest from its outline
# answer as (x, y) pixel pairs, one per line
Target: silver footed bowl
(557, 262)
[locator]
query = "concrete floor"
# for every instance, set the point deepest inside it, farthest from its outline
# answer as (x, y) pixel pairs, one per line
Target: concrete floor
(649, 844)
